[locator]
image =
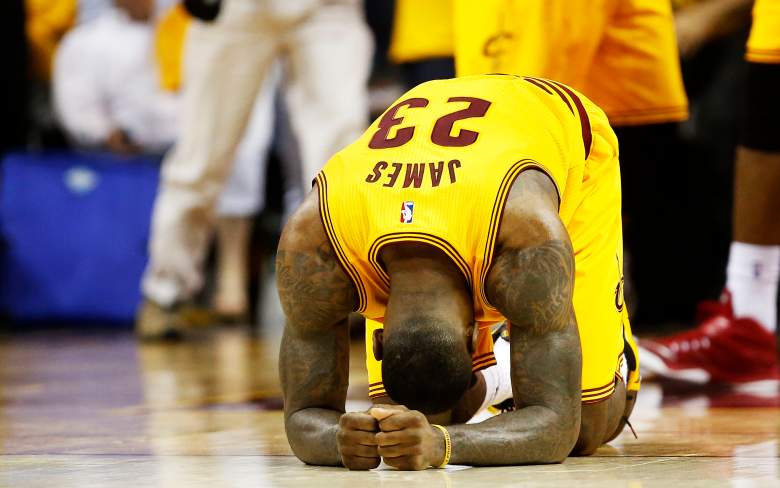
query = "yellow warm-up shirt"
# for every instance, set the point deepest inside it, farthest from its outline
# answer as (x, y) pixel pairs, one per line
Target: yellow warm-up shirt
(621, 53)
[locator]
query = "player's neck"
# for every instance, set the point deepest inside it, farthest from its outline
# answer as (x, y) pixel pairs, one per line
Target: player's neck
(418, 267)
(424, 280)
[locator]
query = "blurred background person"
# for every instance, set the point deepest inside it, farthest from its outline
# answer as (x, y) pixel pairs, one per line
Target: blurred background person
(244, 195)
(623, 55)
(326, 51)
(116, 87)
(107, 87)
(711, 37)
(735, 341)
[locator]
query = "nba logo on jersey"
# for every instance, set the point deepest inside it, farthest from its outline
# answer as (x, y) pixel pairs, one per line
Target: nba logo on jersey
(407, 211)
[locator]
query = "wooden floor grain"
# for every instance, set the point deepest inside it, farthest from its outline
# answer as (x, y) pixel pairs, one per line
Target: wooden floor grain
(100, 410)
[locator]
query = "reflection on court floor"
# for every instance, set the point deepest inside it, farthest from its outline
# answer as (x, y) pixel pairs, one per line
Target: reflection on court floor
(99, 410)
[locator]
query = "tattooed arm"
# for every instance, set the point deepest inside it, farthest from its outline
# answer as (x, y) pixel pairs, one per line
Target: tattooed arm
(314, 359)
(531, 282)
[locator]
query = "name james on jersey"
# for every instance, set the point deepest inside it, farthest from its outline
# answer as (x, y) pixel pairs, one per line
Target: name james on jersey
(414, 174)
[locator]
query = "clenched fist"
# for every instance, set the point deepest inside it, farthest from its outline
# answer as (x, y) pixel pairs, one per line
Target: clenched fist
(357, 441)
(407, 441)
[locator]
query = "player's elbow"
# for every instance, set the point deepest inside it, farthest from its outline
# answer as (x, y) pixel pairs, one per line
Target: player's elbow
(557, 450)
(567, 441)
(306, 442)
(559, 437)
(307, 457)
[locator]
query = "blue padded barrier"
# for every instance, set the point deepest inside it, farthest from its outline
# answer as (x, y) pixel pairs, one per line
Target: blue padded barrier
(74, 229)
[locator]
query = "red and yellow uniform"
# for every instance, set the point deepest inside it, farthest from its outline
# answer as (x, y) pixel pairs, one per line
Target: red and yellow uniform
(436, 168)
(620, 53)
(764, 43)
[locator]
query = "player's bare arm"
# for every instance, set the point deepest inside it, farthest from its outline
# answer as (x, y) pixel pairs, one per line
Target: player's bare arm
(531, 283)
(314, 360)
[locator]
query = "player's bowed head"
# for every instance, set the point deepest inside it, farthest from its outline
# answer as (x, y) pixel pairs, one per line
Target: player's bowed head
(427, 339)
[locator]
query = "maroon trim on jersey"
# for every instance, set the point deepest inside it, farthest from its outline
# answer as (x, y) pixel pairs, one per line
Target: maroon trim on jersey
(559, 88)
(538, 84)
(599, 390)
(483, 365)
(477, 359)
(498, 210)
(587, 135)
(346, 266)
(378, 393)
(438, 242)
(557, 92)
(607, 390)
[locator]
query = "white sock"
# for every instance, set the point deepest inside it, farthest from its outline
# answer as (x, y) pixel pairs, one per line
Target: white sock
(498, 378)
(752, 276)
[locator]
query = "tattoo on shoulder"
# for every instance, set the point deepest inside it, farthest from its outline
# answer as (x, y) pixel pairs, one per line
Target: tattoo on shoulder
(533, 286)
(313, 288)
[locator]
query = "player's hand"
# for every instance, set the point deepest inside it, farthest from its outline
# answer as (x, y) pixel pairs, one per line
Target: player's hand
(407, 441)
(357, 441)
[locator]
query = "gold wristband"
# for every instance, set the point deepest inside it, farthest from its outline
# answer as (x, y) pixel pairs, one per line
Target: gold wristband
(447, 446)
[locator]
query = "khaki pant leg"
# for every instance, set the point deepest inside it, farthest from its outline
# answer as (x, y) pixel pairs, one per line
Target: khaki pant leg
(226, 63)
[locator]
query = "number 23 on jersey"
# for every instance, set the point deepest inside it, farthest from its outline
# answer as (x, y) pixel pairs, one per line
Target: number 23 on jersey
(441, 135)
(442, 129)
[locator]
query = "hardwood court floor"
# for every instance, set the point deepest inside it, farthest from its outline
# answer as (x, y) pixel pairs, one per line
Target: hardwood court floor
(87, 410)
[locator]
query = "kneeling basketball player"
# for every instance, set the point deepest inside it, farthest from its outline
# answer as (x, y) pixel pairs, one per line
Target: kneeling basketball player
(469, 202)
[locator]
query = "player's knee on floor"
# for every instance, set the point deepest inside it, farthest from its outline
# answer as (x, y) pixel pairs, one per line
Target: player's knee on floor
(601, 422)
(592, 429)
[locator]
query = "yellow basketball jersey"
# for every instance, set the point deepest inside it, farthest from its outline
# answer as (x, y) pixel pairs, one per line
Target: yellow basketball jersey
(436, 168)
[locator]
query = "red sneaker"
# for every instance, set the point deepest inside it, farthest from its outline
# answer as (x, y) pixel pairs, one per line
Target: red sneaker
(723, 349)
(710, 308)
